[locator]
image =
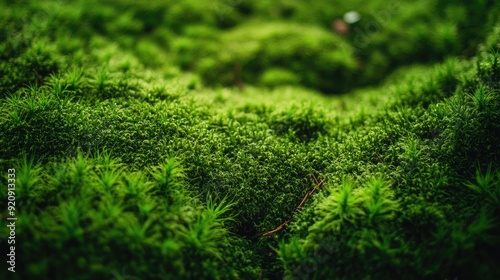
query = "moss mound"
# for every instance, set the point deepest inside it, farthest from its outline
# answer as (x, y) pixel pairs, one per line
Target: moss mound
(177, 140)
(312, 57)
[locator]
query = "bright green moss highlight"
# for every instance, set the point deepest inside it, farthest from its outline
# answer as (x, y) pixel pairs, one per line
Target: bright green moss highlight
(162, 141)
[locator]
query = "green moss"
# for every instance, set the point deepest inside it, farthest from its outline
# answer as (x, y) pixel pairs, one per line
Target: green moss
(321, 60)
(136, 156)
(278, 76)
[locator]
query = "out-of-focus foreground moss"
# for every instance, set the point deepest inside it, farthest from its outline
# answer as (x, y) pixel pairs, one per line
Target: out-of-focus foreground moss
(162, 140)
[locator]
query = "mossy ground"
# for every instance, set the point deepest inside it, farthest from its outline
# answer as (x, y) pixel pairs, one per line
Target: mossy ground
(162, 140)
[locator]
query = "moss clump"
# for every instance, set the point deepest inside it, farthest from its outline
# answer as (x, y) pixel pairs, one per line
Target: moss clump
(320, 59)
(95, 217)
(278, 77)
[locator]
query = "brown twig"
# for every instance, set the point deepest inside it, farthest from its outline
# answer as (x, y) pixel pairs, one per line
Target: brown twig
(269, 233)
(308, 194)
(318, 184)
(379, 158)
(38, 77)
(237, 76)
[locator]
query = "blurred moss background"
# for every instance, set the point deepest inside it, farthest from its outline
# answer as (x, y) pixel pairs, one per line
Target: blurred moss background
(236, 42)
